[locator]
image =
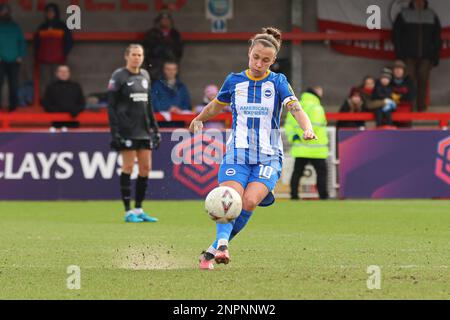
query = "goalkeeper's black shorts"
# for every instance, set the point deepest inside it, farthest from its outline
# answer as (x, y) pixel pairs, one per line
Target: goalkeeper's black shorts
(130, 144)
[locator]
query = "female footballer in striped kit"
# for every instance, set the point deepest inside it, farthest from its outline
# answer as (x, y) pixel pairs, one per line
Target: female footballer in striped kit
(254, 153)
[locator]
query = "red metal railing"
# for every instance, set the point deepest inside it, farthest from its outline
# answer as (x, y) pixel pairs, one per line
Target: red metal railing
(88, 118)
(296, 35)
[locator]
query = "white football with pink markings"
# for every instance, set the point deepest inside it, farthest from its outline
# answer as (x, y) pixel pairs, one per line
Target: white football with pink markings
(223, 204)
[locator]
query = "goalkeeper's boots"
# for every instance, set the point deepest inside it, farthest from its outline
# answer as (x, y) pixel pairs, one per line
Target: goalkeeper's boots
(145, 217)
(222, 255)
(131, 217)
(206, 261)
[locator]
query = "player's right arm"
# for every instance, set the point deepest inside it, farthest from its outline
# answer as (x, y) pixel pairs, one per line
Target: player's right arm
(211, 110)
(214, 107)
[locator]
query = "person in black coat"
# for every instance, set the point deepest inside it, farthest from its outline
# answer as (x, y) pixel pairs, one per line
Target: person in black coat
(162, 43)
(64, 95)
(382, 97)
(417, 41)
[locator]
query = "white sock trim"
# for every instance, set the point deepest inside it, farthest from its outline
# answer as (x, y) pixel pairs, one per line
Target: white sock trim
(222, 242)
(212, 250)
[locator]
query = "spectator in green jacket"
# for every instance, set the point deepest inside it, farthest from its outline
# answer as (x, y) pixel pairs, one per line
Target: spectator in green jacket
(314, 152)
(12, 52)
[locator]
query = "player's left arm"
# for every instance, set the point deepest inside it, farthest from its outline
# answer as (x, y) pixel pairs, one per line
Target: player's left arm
(291, 102)
(151, 112)
(155, 136)
(302, 119)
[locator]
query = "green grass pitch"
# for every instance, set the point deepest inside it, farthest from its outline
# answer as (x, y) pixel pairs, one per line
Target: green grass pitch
(292, 250)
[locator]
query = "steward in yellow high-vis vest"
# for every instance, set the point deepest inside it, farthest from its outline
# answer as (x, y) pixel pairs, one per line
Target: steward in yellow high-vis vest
(317, 149)
(313, 151)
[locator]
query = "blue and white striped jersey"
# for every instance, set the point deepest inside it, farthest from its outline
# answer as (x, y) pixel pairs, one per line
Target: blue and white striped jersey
(256, 104)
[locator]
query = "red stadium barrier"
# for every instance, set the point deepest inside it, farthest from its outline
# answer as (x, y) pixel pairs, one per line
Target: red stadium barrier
(89, 118)
(296, 35)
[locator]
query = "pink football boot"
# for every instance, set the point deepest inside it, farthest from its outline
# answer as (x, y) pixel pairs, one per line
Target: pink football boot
(222, 255)
(206, 261)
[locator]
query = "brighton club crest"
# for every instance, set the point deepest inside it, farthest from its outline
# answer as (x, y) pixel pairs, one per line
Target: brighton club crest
(145, 84)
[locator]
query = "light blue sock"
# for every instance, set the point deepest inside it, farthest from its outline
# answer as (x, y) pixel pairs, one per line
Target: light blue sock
(240, 223)
(223, 232)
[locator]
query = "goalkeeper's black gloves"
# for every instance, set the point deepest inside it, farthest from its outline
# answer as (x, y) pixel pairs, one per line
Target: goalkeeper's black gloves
(116, 141)
(155, 140)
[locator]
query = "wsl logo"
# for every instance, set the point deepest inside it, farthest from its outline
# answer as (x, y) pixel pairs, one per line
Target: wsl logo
(196, 162)
(443, 161)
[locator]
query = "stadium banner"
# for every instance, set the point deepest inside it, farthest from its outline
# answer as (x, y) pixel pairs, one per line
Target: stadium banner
(352, 16)
(81, 166)
(394, 164)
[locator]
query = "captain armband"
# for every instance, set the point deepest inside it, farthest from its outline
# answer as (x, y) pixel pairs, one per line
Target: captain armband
(293, 104)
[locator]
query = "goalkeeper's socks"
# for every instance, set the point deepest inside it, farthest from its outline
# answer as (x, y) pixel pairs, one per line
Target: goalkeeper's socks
(125, 190)
(240, 223)
(141, 189)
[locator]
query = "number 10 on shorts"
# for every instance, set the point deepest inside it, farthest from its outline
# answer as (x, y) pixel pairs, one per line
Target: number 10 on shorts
(265, 172)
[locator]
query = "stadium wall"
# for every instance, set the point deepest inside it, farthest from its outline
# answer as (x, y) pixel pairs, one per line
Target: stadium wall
(206, 62)
(203, 62)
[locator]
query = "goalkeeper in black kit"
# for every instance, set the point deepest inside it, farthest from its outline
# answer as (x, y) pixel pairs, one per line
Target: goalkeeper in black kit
(134, 130)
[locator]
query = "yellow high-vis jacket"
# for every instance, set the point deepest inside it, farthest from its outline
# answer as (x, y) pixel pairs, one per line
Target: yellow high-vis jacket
(300, 148)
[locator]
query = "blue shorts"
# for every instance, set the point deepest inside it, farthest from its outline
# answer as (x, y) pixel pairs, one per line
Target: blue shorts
(247, 173)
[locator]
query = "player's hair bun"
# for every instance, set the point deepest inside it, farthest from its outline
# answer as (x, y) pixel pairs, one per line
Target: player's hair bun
(269, 37)
(274, 32)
